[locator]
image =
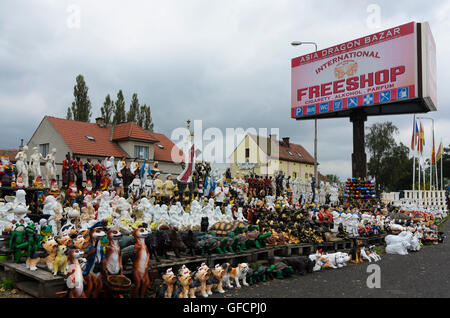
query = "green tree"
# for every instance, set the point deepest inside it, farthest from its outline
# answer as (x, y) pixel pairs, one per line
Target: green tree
(69, 114)
(445, 164)
(119, 110)
(148, 122)
(379, 143)
(333, 178)
(81, 107)
(107, 110)
(396, 169)
(141, 115)
(133, 113)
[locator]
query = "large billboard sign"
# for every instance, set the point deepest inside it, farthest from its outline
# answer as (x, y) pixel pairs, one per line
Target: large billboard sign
(389, 72)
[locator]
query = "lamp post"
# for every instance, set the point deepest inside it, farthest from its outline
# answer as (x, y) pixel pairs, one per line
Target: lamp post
(297, 43)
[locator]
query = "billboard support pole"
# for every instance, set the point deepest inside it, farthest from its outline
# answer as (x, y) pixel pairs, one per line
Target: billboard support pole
(359, 157)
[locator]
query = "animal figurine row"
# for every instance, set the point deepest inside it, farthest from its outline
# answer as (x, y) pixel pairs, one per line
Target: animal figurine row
(93, 267)
(204, 281)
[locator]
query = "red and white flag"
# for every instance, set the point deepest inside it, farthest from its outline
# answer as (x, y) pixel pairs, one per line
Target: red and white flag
(186, 175)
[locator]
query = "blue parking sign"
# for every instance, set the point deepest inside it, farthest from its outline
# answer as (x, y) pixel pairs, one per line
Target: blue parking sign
(403, 93)
(299, 112)
(323, 107)
(352, 102)
(311, 110)
(338, 104)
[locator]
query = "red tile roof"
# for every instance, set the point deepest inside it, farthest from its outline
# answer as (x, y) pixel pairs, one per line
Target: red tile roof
(165, 154)
(75, 135)
(132, 131)
(299, 153)
(11, 153)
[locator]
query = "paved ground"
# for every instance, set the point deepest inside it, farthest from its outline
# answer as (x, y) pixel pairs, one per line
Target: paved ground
(422, 274)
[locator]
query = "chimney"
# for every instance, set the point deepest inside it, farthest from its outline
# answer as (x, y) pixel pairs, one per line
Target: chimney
(21, 145)
(286, 141)
(100, 121)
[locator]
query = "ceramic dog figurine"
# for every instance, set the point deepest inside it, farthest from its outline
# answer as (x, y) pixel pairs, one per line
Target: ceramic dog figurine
(339, 259)
(169, 279)
(226, 278)
(75, 280)
(373, 254)
(185, 280)
(47, 256)
(239, 273)
(355, 252)
(215, 282)
(203, 275)
(60, 263)
(141, 261)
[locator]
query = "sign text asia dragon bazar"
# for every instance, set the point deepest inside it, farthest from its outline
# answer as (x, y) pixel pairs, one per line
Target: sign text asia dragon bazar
(380, 69)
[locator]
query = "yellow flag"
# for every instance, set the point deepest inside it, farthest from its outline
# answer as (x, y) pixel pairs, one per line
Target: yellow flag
(440, 152)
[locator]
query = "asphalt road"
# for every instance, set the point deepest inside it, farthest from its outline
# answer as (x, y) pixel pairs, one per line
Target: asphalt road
(424, 274)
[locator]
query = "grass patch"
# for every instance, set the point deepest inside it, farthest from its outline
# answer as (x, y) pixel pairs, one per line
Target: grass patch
(7, 283)
(441, 223)
(380, 250)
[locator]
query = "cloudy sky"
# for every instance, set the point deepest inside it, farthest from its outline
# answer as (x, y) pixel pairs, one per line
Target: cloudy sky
(224, 62)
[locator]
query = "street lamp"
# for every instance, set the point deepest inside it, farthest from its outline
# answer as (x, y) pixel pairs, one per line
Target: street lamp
(298, 43)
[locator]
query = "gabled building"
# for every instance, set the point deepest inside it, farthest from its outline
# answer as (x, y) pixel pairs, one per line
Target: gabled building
(264, 156)
(98, 141)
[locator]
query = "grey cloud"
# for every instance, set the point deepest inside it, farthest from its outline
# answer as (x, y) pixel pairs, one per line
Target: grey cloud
(226, 62)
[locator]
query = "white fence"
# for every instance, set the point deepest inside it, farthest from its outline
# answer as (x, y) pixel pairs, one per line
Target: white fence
(429, 200)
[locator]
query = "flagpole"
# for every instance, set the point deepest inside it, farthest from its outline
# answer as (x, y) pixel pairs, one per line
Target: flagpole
(442, 178)
(431, 160)
(413, 144)
(442, 156)
(435, 163)
(420, 199)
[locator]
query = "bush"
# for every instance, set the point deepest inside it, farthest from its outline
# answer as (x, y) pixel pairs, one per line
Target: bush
(7, 283)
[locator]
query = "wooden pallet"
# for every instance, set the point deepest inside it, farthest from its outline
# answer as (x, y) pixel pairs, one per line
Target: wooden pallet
(39, 283)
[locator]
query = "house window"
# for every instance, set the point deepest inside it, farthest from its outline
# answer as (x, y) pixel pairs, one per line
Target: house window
(247, 152)
(141, 152)
(44, 149)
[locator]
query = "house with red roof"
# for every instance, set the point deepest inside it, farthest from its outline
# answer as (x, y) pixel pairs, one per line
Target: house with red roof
(99, 141)
(265, 156)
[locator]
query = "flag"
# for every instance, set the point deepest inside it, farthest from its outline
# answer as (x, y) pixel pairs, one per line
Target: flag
(439, 152)
(422, 139)
(415, 137)
(413, 143)
(186, 175)
(433, 153)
